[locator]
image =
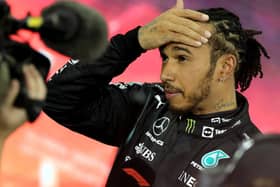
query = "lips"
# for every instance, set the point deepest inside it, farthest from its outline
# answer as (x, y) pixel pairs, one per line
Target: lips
(171, 91)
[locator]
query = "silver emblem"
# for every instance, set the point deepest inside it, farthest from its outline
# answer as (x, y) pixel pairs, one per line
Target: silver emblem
(158, 98)
(160, 125)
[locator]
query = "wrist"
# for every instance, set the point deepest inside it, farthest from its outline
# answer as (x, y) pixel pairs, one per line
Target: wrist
(140, 38)
(133, 38)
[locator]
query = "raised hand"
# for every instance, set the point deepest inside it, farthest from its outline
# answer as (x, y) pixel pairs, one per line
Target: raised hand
(175, 25)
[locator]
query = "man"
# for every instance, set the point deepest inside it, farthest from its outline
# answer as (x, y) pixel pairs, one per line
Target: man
(168, 132)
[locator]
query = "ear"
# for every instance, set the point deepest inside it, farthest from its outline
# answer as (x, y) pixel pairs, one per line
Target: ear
(225, 67)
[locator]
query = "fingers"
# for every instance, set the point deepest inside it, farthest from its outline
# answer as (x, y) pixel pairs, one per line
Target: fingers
(12, 93)
(189, 28)
(179, 4)
(10, 116)
(191, 14)
(35, 84)
(179, 38)
(189, 36)
(187, 13)
(190, 19)
(177, 22)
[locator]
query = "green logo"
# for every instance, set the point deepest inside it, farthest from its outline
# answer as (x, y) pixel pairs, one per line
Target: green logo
(211, 159)
(190, 126)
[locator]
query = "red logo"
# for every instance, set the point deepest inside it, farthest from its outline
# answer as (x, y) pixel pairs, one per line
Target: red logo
(137, 176)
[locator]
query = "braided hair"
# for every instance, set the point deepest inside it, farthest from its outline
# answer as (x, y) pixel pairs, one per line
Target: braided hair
(230, 37)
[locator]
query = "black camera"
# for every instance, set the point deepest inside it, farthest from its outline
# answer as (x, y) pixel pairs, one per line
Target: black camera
(14, 55)
(62, 26)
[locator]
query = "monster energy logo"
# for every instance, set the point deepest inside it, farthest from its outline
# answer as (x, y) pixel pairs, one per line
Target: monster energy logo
(190, 126)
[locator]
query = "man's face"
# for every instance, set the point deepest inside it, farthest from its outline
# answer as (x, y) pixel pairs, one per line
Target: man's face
(186, 76)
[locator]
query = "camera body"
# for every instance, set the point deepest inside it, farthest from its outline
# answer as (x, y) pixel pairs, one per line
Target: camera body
(13, 55)
(84, 27)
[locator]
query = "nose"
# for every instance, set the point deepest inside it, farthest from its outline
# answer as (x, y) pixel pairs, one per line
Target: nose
(168, 72)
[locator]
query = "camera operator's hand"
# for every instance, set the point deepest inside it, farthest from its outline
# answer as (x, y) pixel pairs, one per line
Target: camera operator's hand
(12, 117)
(175, 25)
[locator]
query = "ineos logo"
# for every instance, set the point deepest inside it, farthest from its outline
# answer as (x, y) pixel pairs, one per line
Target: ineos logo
(160, 125)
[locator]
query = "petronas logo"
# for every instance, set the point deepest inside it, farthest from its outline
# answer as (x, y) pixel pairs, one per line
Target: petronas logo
(190, 126)
(211, 159)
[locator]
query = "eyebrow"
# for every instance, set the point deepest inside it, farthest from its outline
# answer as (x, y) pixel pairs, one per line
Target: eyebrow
(179, 48)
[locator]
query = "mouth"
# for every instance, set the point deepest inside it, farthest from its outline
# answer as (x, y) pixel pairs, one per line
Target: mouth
(171, 91)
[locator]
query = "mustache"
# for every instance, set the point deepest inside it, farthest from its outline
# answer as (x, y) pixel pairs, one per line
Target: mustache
(167, 85)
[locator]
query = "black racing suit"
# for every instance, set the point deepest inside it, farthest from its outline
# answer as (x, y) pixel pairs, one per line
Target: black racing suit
(157, 147)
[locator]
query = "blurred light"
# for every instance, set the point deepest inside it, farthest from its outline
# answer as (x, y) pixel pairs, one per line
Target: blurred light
(48, 174)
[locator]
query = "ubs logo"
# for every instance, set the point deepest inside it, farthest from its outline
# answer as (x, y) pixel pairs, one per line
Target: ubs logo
(160, 125)
(145, 152)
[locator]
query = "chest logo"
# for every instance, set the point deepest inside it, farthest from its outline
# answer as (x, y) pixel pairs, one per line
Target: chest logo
(141, 149)
(190, 126)
(160, 125)
(158, 98)
(211, 159)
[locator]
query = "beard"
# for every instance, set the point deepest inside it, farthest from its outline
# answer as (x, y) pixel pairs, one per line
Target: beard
(195, 97)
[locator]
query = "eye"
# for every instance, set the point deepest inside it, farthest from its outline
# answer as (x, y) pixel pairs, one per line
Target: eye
(182, 58)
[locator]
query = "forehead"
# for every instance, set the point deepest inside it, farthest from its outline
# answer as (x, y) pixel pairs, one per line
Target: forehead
(173, 48)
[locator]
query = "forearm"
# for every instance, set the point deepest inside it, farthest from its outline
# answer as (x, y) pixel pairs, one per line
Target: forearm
(75, 82)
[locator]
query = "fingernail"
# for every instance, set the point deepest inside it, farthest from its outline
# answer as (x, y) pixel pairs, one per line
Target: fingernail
(198, 43)
(205, 17)
(204, 40)
(207, 34)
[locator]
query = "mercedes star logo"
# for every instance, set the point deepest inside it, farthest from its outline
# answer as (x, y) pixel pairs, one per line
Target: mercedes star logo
(160, 125)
